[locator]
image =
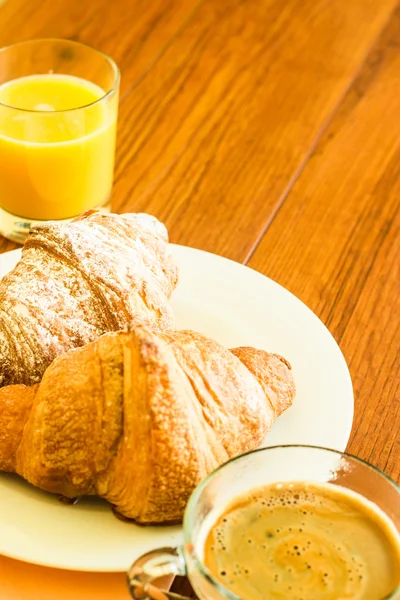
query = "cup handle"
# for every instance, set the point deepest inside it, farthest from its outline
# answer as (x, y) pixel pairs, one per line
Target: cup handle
(157, 564)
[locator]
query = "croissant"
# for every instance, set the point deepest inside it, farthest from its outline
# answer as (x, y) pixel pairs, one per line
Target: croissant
(140, 418)
(75, 282)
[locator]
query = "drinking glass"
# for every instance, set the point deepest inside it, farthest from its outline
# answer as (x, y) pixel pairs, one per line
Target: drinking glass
(58, 118)
(238, 476)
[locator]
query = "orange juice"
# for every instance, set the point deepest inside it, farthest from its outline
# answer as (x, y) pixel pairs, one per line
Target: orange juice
(57, 146)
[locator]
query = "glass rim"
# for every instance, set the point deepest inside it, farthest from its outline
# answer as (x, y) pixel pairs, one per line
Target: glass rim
(187, 519)
(109, 93)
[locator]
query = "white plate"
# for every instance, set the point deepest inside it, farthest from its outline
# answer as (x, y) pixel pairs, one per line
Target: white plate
(236, 306)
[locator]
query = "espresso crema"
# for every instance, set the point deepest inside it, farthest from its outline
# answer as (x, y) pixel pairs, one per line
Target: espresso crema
(304, 542)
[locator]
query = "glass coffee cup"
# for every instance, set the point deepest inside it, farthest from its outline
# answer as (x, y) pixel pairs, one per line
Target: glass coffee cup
(249, 471)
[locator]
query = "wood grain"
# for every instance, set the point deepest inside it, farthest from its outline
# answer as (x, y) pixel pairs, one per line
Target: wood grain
(220, 102)
(215, 132)
(134, 34)
(336, 244)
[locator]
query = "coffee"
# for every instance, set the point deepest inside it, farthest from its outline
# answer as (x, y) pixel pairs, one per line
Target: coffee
(304, 542)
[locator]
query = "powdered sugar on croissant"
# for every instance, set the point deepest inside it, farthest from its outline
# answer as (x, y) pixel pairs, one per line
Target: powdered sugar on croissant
(99, 273)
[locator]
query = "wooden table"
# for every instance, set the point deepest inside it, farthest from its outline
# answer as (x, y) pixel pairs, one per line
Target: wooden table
(266, 131)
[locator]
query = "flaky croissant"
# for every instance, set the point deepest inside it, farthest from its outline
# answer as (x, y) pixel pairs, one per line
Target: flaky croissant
(75, 282)
(140, 418)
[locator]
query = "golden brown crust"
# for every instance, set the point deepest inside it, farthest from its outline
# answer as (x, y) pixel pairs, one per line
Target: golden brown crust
(140, 418)
(15, 408)
(75, 282)
(76, 419)
(273, 372)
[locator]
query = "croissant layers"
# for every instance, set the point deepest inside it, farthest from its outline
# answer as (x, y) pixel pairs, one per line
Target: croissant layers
(99, 273)
(141, 417)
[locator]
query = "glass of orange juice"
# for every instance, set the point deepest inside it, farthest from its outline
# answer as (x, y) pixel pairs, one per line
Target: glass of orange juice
(58, 118)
